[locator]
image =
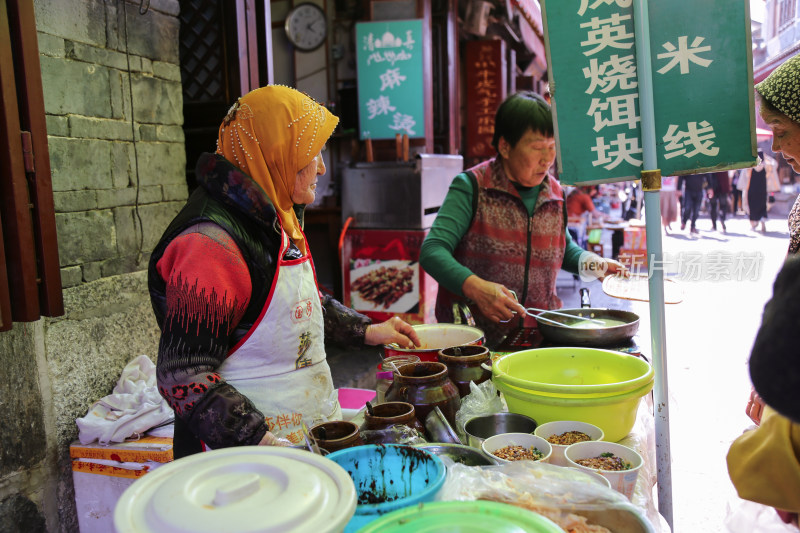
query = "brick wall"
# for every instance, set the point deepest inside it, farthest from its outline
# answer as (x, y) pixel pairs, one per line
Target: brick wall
(102, 123)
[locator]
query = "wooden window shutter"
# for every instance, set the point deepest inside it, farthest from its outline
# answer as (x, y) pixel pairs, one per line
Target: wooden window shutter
(30, 277)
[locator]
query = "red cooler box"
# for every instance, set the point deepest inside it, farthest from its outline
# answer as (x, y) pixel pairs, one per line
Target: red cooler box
(382, 277)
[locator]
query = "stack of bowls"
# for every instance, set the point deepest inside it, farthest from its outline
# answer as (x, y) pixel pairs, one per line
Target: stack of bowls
(601, 387)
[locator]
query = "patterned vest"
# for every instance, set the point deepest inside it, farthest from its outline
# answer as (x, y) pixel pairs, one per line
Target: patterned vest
(505, 245)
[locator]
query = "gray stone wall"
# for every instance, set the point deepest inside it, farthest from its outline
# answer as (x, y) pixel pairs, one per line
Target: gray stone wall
(114, 124)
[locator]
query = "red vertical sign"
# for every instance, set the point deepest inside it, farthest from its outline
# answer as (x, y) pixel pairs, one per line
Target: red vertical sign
(486, 88)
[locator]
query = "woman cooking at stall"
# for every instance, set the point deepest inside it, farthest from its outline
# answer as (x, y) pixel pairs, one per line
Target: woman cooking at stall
(502, 227)
(241, 357)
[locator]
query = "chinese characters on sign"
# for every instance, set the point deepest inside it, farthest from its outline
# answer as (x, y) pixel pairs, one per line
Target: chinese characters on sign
(284, 421)
(390, 90)
(486, 88)
(701, 88)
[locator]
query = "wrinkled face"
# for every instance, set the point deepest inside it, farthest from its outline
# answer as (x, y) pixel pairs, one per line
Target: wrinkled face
(305, 185)
(528, 161)
(785, 136)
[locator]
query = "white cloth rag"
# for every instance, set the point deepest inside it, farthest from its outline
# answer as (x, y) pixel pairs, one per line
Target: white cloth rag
(133, 407)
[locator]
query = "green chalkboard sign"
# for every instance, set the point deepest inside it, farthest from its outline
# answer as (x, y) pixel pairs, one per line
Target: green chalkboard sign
(390, 90)
(702, 80)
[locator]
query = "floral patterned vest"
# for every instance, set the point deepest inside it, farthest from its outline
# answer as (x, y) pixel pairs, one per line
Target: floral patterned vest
(504, 245)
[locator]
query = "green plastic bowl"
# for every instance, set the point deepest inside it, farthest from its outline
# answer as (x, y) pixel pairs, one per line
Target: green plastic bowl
(615, 415)
(462, 517)
(569, 372)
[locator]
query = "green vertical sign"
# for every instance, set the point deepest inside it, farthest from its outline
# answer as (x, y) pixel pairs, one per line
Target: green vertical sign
(701, 61)
(390, 76)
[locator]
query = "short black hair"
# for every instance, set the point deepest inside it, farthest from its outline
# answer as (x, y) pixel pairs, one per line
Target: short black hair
(519, 113)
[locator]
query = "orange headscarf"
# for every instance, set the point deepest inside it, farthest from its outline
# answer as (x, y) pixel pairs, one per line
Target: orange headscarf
(271, 134)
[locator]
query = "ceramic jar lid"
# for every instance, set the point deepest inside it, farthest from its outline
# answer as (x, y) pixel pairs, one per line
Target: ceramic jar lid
(242, 489)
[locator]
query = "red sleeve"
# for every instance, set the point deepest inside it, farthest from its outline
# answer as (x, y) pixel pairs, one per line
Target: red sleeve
(210, 264)
(208, 289)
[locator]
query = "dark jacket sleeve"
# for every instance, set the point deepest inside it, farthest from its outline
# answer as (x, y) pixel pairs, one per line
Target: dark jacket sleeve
(344, 327)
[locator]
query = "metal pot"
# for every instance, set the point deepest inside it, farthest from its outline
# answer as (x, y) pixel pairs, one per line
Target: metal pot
(599, 336)
(434, 337)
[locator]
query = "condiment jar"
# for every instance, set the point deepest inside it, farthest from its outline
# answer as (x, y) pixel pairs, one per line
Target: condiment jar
(389, 414)
(426, 385)
(385, 373)
(336, 434)
(464, 365)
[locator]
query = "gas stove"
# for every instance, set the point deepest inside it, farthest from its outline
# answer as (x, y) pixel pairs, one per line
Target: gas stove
(529, 338)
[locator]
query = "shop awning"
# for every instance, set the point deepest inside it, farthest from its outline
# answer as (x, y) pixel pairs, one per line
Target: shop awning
(763, 70)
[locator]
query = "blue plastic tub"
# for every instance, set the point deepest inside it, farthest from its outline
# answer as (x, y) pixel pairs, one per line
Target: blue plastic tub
(389, 477)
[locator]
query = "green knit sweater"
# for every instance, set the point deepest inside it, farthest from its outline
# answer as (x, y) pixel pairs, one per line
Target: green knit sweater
(452, 222)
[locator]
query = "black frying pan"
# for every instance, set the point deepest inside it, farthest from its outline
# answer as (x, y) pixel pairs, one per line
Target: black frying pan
(594, 336)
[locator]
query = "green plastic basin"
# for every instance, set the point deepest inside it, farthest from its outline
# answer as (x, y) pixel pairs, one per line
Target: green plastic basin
(462, 517)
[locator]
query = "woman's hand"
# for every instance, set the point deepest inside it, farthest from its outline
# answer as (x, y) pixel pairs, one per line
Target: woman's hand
(615, 268)
(395, 330)
(270, 439)
(494, 300)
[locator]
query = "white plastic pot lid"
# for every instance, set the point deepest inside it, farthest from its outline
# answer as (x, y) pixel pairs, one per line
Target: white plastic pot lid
(242, 489)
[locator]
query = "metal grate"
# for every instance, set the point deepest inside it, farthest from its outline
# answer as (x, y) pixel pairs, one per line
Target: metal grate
(202, 50)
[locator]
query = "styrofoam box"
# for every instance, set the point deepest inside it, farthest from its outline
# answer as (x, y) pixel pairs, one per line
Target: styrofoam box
(99, 484)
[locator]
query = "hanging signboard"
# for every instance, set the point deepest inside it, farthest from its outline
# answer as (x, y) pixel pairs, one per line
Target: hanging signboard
(701, 61)
(390, 81)
(486, 89)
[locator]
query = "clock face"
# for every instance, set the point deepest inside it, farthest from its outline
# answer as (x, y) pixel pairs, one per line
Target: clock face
(306, 26)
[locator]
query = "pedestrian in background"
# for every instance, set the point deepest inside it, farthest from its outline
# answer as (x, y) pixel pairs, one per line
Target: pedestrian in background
(692, 198)
(753, 184)
(669, 201)
(779, 108)
(736, 194)
(719, 188)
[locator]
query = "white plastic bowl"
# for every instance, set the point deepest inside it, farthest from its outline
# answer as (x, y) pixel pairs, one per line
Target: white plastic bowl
(622, 481)
(526, 440)
(549, 429)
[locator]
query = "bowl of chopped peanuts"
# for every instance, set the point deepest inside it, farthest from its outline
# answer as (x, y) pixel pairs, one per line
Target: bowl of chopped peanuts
(508, 447)
(562, 433)
(619, 464)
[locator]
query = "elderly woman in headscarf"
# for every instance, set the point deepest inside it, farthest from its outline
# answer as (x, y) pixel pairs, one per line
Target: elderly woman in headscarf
(241, 358)
(779, 108)
(764, 463)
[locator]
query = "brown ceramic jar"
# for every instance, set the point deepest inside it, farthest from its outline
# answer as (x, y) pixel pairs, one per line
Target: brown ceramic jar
(425, 385)
(464, 365)
(337, 434)
(389, 414)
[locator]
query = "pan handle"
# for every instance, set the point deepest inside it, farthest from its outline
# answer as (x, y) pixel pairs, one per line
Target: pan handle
(585, 301)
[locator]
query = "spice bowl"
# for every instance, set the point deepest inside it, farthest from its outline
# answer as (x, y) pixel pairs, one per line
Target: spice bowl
(553, 430)
(623, 480)
(534, 448)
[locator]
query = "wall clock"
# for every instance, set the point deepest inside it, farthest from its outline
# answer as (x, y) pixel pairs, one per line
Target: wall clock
(306, 26)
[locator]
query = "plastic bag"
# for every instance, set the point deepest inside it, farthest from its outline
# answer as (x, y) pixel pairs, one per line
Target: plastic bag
(568, 497)
(482, 400)
(397, 434)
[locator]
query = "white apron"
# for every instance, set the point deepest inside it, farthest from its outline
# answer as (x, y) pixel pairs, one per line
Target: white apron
(280, 363)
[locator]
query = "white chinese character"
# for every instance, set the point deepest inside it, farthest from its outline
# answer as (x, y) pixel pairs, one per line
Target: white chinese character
(391, 78)
(607, 75)
(379, 106)
(622, 110)
(585, 4)
(621, 149)
(607, 32)
(409, 42)
(690, 264)
(701, 139)
(742, 259)
(718, 266)
(403, 123)
(683, 54)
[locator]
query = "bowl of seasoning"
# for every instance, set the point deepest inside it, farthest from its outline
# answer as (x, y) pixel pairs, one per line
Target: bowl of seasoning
(508, 447)
(619, 464)
(563, 433)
